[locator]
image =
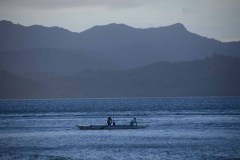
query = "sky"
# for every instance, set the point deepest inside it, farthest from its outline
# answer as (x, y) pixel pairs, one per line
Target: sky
(217, 19)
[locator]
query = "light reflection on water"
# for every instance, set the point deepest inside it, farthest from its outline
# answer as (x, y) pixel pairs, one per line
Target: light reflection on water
(209, 132)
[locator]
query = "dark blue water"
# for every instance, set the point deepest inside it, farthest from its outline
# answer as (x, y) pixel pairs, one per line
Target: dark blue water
(179, 128)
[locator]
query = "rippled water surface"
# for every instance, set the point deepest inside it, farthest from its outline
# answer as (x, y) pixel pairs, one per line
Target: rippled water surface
(179, 128)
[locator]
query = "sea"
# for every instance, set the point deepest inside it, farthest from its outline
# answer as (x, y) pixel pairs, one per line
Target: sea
(178, 128)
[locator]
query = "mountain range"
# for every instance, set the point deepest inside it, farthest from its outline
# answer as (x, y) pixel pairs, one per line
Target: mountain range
(115, 60)
(113, 44)
(213, 76)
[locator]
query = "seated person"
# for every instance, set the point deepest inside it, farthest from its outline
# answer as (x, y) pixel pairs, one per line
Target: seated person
(133, 122)
(109, 121)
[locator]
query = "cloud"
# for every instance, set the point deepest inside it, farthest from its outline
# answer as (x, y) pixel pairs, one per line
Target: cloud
(58, 4)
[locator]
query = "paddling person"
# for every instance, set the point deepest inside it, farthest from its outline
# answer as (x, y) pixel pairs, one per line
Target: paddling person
(114, 122)
(133, 122)
(109, 121)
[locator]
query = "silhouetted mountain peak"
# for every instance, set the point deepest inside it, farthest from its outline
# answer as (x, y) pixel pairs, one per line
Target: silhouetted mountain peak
(54, 28)
(115, 25)
(123, 28)
(110, 28)
(177, 27)
(9, 24)
(5, 22)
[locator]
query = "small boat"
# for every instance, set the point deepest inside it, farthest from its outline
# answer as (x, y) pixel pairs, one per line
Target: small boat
(106, 127)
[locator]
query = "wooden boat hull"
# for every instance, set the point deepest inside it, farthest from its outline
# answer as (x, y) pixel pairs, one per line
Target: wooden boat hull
(105, 127)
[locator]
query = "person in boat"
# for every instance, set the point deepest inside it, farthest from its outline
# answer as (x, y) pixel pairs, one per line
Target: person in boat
(133, 122)
(114, 124)
(109, 121)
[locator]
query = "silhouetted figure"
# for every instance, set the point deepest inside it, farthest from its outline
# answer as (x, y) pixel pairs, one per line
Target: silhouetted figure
(114, 123)
(109, 121)
(133, 122)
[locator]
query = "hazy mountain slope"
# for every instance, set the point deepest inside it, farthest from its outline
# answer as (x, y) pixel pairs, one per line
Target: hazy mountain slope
(215, 76)
(136, 41)
(138, 47)
(118, 43)
(12, 86)
(17, 37)
(61, 61)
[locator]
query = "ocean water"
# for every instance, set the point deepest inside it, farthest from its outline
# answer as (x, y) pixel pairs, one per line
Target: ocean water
(179, 128)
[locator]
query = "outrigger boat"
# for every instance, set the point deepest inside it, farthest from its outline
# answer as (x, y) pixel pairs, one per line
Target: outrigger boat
(106, 127)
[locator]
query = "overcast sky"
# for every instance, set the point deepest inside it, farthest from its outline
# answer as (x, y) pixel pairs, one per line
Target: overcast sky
(217, 19)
